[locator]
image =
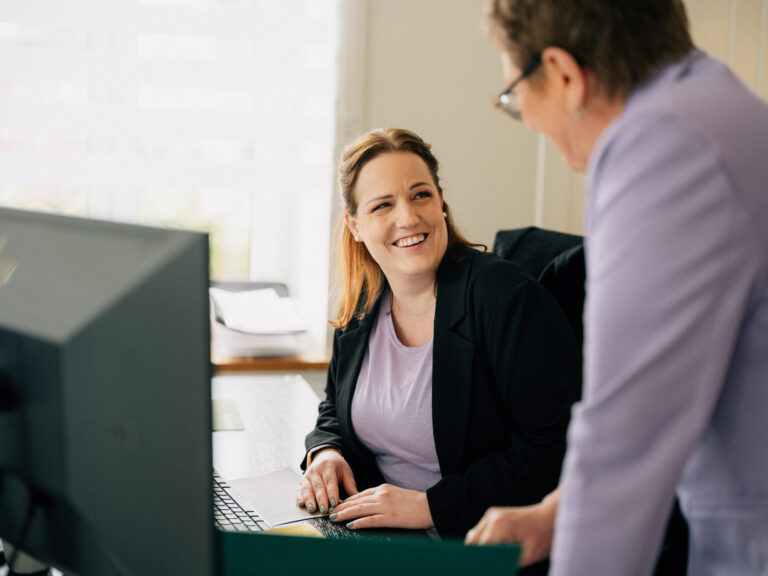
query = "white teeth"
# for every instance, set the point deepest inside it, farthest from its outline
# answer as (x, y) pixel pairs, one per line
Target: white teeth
(410, 241)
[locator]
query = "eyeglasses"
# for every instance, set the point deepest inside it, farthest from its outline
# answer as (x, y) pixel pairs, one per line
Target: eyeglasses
(507, 100)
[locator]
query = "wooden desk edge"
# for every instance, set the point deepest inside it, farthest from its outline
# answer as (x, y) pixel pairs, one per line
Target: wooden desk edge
(298, 363)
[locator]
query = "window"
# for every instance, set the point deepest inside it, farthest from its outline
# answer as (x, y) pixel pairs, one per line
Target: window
(214, 114)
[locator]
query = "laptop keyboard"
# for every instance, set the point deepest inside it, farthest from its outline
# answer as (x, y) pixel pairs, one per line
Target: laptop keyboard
(228, 515)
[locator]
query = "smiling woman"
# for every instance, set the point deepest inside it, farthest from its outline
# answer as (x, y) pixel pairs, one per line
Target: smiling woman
(442, 396)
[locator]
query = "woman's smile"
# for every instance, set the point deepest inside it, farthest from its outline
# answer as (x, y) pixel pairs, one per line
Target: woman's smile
(410, 241)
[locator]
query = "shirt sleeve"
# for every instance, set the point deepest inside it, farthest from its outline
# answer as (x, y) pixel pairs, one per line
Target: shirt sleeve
(668, 281)
(326, 433)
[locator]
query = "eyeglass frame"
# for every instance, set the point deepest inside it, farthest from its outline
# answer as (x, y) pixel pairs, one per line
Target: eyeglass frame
(501, 101)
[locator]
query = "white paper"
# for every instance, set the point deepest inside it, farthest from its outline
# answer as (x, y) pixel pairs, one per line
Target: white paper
(273, 496)
(257, 311)
(228, 342)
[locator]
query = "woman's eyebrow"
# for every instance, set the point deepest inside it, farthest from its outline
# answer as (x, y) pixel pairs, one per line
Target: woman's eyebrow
(390, 196)
(379, 198)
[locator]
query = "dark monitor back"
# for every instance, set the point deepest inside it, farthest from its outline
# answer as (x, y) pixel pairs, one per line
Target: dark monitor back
(105, 383)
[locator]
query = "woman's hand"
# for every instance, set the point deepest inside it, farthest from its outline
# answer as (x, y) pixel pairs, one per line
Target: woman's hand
(385, 506)
(532, 526)
(319, 488)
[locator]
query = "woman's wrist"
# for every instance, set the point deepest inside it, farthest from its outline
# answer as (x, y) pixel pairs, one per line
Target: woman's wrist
(314, 452)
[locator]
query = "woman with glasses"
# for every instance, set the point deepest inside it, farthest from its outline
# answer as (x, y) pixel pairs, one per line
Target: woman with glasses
(676, 321)
(453, 371)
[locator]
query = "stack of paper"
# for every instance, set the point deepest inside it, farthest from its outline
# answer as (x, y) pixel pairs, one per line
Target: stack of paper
(256, 323)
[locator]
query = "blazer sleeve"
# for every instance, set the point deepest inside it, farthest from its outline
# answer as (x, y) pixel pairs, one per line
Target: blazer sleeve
(673, 269)
(326, 431)
(527, 374)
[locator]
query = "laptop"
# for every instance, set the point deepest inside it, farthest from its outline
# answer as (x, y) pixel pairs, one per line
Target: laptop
(262, 503)
(230, 512)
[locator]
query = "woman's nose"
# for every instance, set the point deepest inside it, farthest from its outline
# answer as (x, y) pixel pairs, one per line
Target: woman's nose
(406, 215)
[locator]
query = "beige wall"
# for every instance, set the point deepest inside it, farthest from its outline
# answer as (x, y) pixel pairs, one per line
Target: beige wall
(426, 65)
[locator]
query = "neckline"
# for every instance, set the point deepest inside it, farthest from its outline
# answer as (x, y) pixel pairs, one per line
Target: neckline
(389, 326)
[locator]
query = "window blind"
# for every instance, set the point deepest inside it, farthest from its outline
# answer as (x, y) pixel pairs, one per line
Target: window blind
(214, 114)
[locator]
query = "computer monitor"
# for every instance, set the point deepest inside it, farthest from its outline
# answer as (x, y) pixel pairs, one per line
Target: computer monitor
(105, 412)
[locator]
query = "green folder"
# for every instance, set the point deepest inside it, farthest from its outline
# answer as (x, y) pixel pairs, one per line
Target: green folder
(279, 555)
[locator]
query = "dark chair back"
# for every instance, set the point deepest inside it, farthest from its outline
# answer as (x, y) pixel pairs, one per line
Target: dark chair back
(556, 260)
(533, 248)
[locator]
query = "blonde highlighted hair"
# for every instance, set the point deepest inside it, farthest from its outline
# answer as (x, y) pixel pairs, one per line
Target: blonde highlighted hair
(359, 278)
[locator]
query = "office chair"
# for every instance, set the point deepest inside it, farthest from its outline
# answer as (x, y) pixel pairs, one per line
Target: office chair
(556, 260)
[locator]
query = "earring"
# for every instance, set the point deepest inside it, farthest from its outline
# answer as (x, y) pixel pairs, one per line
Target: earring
(445, 214)
(357, 238)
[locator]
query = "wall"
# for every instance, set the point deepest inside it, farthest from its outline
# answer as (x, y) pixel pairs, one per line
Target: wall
(427, 65)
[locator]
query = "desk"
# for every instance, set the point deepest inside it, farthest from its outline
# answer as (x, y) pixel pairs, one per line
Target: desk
(277, 412)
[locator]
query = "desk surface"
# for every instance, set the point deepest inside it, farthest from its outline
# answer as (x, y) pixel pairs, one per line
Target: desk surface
(277, 413)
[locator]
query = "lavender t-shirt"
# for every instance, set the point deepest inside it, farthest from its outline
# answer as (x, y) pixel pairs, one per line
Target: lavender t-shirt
(392, 406)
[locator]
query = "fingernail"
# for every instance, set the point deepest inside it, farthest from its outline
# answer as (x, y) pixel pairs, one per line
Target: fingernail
(333, 517)
(351, 525)
(333, 502)
(298, 503)
(310, 507)
(331, 509)
(322, 509)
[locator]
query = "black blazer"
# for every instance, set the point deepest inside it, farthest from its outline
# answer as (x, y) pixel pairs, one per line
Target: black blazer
(505, 373)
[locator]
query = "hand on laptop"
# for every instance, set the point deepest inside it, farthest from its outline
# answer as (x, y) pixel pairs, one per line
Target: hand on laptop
(532, 526)
(385, 506)
(319, 488)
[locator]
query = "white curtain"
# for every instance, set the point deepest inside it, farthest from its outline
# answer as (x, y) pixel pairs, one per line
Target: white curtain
(214, 114)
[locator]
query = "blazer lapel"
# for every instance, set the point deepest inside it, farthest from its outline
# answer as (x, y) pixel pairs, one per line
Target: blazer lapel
(453, 356)
(352, 346)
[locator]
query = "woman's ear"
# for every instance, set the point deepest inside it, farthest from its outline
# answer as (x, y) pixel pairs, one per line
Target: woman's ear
(351, 223)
